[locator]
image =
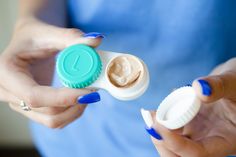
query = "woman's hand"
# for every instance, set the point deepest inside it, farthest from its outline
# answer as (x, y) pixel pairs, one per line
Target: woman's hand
(26, 69)
(212, 133)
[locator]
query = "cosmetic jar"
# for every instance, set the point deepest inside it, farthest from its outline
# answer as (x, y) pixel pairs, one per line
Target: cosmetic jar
(123, 75)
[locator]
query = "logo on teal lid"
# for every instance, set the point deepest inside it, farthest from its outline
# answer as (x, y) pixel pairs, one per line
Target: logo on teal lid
(78, 66)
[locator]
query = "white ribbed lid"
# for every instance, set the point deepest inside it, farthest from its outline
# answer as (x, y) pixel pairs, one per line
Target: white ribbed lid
(178, 108)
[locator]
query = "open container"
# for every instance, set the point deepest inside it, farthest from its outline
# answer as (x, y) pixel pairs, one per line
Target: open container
(124, 76)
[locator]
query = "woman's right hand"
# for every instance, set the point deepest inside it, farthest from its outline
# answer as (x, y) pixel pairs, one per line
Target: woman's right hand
(212, 133)
(26, 70)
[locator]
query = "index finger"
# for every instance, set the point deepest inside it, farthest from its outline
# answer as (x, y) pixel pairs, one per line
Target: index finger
(178, 144)
(174, 142)
(23, 86)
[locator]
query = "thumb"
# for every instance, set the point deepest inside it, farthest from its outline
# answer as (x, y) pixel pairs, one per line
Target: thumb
(215, 87)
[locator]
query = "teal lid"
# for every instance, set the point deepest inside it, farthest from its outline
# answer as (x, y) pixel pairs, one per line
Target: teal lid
(78, 66)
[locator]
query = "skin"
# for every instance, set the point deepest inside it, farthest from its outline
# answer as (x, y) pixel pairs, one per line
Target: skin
(27, 66)
(212, 133)
(32, 50)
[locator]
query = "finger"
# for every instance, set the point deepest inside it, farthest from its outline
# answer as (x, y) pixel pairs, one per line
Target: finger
(162, 150)
(51, 121)
(178, 131)
(175, 142)
(25, 88)
(46, 40)
(171, 140)
(70, 120)
(73, 36)
(213, 88)
(44, 96)
(55, 38)
(50, 110)
(33, 115)
(72, 116)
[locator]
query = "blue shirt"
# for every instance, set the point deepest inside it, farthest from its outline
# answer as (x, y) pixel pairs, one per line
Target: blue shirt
(179, 41)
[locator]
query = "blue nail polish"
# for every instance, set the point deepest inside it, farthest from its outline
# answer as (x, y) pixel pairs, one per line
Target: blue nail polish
(153, 133)
(206, 88)
(93, 35)
(89, 98)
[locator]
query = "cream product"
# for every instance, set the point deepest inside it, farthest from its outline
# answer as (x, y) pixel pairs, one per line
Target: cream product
(124, 71)
(124, 76)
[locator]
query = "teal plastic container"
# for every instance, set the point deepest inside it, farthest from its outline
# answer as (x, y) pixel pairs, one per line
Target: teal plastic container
(78, 66)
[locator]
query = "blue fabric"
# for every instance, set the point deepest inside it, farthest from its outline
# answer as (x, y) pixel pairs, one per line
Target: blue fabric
(179, 41)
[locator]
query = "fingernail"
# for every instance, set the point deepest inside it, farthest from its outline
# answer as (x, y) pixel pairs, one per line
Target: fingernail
(89, 98)
(149, 122)
(206, 88)
(93, 35)
(153, 133)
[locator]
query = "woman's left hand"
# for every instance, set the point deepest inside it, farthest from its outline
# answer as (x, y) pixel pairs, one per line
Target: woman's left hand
(27, 68)
(212, 133)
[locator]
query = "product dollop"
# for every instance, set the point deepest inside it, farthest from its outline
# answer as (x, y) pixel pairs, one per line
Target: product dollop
(124, 71)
